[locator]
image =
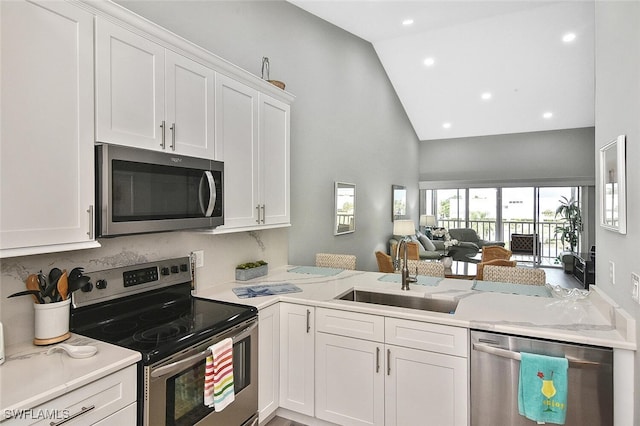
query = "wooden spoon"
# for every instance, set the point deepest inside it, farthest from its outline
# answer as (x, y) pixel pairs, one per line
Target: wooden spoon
(63, 285)
(32, 284)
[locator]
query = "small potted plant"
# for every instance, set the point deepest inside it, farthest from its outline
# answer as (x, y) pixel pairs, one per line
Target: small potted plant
(250, 270)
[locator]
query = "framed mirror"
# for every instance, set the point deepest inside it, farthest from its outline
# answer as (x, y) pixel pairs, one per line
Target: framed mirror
(398, 202)
(613, 206)
(345, 195)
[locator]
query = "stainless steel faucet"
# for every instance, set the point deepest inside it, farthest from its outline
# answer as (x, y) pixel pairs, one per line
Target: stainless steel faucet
(406, 277)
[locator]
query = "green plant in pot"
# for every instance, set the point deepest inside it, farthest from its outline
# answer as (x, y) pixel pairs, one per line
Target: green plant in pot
(250, 270)
(569, 230)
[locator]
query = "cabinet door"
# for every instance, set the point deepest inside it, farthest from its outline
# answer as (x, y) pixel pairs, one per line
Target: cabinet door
(46, 148)
(189, 102)
(274, 147)
(237, 145)
(268, 361)
(349, 380)
(297, 358)
(425, 388)
(129, 88)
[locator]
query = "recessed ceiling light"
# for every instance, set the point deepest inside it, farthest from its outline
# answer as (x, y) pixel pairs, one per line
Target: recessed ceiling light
(407, 22)
(568, 37)
(486, 96)
(429, 62)
(446, 125)
(547, 115)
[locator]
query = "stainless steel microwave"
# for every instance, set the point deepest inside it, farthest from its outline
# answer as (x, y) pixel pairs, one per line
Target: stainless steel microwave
(141, 191)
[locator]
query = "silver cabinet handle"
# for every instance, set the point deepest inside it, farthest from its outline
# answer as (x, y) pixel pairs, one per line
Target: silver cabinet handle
(388, 362)
(173, 136)
(505, 353)
(162, 144)
(82, 411)
(377, 359)
(90, 233)
(258, 208)
(263, 213)
(208, 210)
(308, 320)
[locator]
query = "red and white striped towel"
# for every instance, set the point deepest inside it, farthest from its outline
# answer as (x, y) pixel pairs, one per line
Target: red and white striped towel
(218, 376)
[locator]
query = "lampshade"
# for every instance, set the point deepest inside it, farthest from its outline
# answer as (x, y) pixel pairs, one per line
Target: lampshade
(403, 227)
(427, 220)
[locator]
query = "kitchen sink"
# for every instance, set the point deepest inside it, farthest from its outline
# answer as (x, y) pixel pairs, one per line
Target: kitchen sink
(411, 302)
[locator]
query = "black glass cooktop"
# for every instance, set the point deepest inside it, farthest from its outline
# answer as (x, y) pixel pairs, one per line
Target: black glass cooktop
(159, 323)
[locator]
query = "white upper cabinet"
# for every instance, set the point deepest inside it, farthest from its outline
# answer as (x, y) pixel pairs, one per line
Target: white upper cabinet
(46, 143)
(274, 145)
(237, 136)
(252, 134)
(190, 101)
(151, 97)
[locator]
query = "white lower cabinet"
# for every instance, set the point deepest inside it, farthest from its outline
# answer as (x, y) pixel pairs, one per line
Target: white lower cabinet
(268, 360)
(108, 401)
(349, 380)
(369, 381)
(424, 387)
(297, 335)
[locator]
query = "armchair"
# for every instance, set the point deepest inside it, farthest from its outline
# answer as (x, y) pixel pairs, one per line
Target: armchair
(470, 235)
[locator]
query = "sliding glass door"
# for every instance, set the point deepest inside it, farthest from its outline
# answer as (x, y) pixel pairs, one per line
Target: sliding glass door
(522, 217)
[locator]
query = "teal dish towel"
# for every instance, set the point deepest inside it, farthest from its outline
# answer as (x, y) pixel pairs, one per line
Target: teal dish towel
(542, 388)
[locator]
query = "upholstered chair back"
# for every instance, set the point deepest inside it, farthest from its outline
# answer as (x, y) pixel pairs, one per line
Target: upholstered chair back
(342, 261)
(495, 252)
(423, 267)
(514, 275)
(385, 264)
(497, 262)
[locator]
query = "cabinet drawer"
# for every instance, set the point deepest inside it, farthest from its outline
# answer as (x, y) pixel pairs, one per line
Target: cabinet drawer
(350, 324)
(427, 336)
(97, 400)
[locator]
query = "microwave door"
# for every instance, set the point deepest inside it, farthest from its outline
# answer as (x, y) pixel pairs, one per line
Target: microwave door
(207, 193)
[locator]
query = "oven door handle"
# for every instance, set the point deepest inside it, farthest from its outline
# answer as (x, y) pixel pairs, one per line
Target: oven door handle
(178, 365)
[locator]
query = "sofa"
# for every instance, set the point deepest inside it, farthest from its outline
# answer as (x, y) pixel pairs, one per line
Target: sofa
(471, 236)
(435, 249)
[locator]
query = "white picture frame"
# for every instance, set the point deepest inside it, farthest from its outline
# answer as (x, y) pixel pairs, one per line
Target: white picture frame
(612, 186)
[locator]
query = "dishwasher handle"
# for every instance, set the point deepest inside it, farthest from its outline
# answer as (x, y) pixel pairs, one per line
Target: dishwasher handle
(505, 353)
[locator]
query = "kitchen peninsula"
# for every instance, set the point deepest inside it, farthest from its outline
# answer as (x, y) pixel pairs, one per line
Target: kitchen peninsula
(295, 318)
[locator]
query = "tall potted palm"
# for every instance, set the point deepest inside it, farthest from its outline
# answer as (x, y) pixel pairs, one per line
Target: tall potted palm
(569, 229)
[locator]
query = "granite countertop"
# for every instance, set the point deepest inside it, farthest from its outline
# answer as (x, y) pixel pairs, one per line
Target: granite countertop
(594, 320)
(29, 377)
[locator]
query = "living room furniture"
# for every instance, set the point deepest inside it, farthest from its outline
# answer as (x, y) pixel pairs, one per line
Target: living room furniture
(342, 261)
(524, 243)
(584, 268)
(413, 251)
(470, 235)
(506, 274)
(462, 252)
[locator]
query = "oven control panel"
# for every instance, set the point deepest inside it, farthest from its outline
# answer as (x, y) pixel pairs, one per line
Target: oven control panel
(119, 282)
(140, 276)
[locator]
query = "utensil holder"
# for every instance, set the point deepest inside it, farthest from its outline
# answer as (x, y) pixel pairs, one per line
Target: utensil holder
(51, 322)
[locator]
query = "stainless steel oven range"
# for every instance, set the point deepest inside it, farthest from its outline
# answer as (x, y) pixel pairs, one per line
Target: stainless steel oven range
(149, 308)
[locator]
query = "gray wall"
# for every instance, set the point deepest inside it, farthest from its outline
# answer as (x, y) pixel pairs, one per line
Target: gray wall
(618, 112)
(347, 123)
(538, 156)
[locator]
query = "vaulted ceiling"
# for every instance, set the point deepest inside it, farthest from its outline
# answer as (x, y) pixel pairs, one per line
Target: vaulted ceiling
(476, 68)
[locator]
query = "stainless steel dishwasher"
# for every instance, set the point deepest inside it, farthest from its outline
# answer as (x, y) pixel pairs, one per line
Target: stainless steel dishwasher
(495, 366)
